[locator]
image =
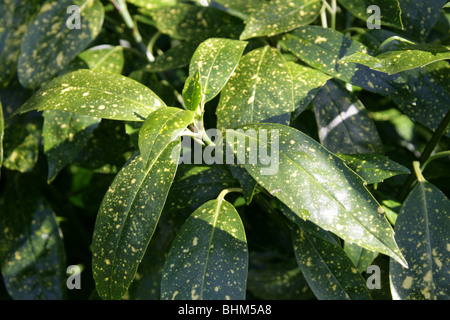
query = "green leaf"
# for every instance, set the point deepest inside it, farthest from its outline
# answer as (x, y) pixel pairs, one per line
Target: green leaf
(430, 89)
(306, 83)
(195, 184)
(21, 146)
(65, 134)
(422, 231)
(390, 11)
(152, 4)
(2, 131)
(127, 219)
(14, 19)
(192, 93)
(315, 184)
(190, 22)
(407, 58)
(360, 257)
(161, 128)
(247, 183)
(97, 94)
(104, 59)
(327, 269)
(176, 57)
(344, 123)
(419, 17)
(279, 16)
(208, 258)
(241, 8)
(32, 256)
(216, 59)
(259, 90)
(373, 168)
(49, 44)
(323, 49)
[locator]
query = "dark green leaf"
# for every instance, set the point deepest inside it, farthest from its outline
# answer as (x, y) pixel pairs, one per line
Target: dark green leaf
(315, 184)
(14, 19)
(208, 258)
(190, 22)
(259, 90)
(195, 184)
(49, 44)
(127, 219)
(65, 134)
(373, 168)
(32, 256)
(21, 146)
(360, 257)
(96, 94)
(419, 17)
(152, 4)
(409, 57)
(430, 89)
(161, 128)
(247, 183)
(215, 60)
(176, 57)
(2, 131)
(390, 10)
(323, 49)
(279, 16)
(344, 124)
(422, 231)
(327, 269)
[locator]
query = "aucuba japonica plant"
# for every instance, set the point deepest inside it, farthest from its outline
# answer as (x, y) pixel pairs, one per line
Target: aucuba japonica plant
(264, 149)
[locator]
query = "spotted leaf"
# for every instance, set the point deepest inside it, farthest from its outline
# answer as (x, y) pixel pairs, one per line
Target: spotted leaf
(50, 44)
(161, 128)
(195, 184)
(147, 4)
(306, 83)
(127, 219)
(65, 133)
(406, 58)
(13, 21)
(2, 131)
(323, 49)
(104, 59)
(215, 60)
(96, 94)
(422, 231)
(190, 22)
(176, 57)
(192, 94)
(314, 183)
(208, 258)
(389, 9)
(419, 17)
(327, 269)
(373, 168)
(259, 90)
(280, 16)
(344, 123)
(430, 89)
(32, 255)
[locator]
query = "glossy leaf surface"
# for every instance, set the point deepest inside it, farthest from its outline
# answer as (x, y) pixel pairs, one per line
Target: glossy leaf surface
(208, 258)
(96, 94)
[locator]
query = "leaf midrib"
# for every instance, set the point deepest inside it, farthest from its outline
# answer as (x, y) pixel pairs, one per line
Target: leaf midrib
(327, 193)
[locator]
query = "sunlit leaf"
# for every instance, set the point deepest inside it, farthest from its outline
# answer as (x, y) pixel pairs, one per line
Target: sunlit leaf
(263, 82)
(127, 219)
(96, 94)
(279, 16)
(315, 184)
